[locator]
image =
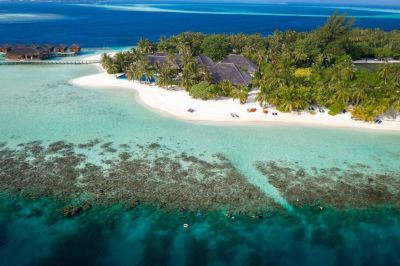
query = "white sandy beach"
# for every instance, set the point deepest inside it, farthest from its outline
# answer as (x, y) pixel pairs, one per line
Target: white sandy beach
(175, 103)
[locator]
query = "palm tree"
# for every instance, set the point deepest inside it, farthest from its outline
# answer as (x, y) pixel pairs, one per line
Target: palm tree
(131, 72)
(165, 75)
(384, 72)
(358, 94)
(262, 97)
(206, 75)
(286, 103)
(184, 49)
(341, 95)
(226, 87)
(106, 61)
(300, 56)
(348, 73)
(145, 46)
(141, 68)
(148, 73)
(190, 74)
(113, 69)
(241, 93)
(293, 97)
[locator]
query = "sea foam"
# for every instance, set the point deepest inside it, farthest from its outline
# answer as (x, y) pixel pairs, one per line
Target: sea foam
(162, 9)
(28, 17)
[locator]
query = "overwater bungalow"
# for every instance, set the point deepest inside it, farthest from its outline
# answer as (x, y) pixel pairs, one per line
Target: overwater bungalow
(48, 47)
(62, 48)
(74, 48)
(5, 48)
(35, 52)
(25, 53)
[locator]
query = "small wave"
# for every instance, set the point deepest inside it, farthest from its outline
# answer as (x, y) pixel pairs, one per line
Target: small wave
(27, 17)
(356, 8)
(159, 9)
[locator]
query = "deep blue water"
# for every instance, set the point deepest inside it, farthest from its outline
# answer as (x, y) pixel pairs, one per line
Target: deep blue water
(36, 233)
(108, 25)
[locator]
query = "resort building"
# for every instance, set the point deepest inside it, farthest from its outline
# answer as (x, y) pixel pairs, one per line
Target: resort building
(48, 47)
(230, 72)
(36, 52)
(234, 68)
(75, 48)
(62, 48)
(164, 58)
(27, 53)
(242, 63)
(5, 48)
(205, 62)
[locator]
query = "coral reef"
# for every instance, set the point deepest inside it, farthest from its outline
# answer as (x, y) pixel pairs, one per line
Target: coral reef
(355, 187)
(151, 174)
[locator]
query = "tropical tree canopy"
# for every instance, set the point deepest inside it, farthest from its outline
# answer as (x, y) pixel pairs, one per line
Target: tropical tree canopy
(296, 69)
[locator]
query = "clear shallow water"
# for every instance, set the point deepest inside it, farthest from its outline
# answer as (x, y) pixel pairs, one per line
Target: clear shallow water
(114, 24)
(37, 103)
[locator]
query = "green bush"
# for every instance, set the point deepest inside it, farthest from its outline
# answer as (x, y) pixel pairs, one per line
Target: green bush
(336, 108)
(204, 90)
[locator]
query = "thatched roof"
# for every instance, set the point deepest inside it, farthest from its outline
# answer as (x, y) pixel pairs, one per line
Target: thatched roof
(28, 51)
(242, 62)
(75, 46)
(48, 46)
(162, 59)
(230, 72)
(62, 46)
(204, 61)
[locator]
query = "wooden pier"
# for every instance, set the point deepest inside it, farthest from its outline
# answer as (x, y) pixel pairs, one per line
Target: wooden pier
(49, 62)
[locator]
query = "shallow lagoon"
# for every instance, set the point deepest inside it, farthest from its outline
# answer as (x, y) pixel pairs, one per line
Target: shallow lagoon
(38, 104)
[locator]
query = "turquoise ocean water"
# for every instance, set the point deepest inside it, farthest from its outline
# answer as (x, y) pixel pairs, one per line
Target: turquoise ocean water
(271, 195)
(38, 104)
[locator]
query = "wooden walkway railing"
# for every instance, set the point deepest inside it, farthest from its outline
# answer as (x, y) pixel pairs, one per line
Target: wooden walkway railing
(376, 61)
(48, 62)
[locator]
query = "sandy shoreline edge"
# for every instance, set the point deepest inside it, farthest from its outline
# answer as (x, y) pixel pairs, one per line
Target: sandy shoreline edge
(175, 103)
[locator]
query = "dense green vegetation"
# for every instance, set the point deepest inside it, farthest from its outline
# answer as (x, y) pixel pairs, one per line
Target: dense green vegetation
(296, 69)
(216, 47)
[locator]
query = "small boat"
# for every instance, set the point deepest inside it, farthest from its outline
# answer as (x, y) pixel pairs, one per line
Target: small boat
(232, 115)
(236, 115)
